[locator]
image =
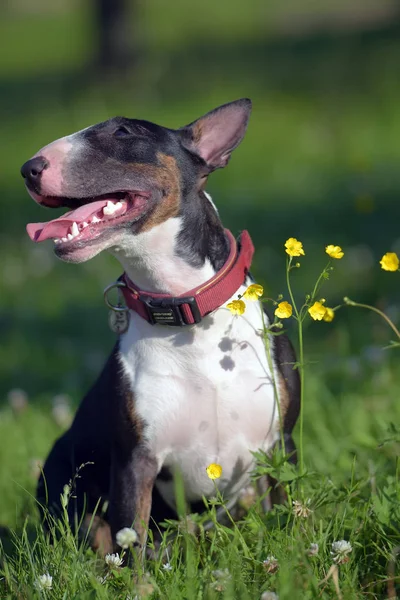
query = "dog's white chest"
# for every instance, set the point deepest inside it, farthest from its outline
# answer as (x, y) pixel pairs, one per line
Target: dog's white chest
(205, 395)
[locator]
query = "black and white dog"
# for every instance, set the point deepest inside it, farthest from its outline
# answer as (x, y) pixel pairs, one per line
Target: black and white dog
(188, 383)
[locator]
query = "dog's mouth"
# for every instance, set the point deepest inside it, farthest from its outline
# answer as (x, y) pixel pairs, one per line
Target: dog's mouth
(89, 217)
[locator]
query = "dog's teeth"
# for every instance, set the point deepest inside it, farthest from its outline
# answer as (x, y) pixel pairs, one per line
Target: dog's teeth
(64, 239)
(118, 206)
(109, 209)
(95, 219)
(74, 229)
(70, 236)
(57, 240)
(84, 224)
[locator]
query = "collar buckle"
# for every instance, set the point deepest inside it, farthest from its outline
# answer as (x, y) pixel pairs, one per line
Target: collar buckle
(168, 311)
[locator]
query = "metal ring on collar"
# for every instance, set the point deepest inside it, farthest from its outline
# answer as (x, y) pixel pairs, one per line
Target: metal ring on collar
(115, 307)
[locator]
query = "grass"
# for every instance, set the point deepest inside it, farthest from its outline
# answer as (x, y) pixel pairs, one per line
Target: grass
(352, 484)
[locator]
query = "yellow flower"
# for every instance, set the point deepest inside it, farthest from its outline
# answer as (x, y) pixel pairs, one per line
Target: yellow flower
(294, 247)
(390, 261)
(214, 471)
(253, 292)
(283, 310)
(334, 251)
(237, 307)
(317, 311)
(329, 315)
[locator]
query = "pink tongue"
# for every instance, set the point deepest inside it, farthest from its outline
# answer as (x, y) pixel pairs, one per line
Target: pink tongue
(58, 228)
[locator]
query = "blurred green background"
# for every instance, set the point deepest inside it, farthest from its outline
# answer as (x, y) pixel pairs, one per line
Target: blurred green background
(320, 161)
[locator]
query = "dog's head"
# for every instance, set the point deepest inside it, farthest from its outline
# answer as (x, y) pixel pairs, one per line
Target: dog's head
(126, 175)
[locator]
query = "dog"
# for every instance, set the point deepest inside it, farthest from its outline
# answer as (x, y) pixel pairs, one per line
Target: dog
(188, 383)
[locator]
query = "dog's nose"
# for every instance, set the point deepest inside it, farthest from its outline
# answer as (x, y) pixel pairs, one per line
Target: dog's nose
(33, 168)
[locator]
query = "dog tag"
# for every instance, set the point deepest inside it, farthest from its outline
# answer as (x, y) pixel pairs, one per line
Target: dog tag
(118, 320)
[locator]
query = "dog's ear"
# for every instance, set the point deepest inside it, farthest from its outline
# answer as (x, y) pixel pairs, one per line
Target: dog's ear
(214, 136)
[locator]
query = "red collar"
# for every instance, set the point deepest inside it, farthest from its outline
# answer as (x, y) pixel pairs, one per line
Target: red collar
(191, 307)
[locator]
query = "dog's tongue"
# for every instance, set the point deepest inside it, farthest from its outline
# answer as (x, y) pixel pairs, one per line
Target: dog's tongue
(58, 228)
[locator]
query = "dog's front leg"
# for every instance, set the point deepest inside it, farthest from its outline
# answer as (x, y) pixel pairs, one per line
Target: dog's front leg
(132, 481)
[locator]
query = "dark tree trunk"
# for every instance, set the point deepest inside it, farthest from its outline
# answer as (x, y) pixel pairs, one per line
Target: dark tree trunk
(114, 27)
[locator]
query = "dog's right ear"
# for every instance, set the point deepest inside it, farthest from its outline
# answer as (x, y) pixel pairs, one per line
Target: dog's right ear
(214, 136)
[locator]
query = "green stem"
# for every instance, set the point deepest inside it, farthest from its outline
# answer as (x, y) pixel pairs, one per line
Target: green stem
(301, 359)
(288, 264)
(246, 549)
(300, 318)
(376, 310)
(271, 370)
(316, 286)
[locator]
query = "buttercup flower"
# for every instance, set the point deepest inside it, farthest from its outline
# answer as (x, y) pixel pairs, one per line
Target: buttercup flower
(294, 247)
(126, 537)
(113, 560)
(44, 582)
(340, 550)
(283, 310)
(237, 307)
(253, 292)
(329, 315)
(390, 261)
(214, 471)
(317, 311)
(334, 251)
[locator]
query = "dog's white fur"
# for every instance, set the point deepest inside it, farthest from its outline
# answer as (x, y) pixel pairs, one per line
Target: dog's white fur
(205, 393)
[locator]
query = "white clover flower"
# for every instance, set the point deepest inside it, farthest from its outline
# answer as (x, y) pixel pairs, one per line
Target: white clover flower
(222, 577)
(313, 550)
(126, 537)
(340, 550)
(269, 596)
(44, 582)
(18, 400)
(301, 510)
(62, 415)
(271, 564)
(222, 574)
(113, 560)
(167, 567)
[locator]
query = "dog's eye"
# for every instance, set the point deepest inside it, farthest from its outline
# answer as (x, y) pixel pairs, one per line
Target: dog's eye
(121, 132)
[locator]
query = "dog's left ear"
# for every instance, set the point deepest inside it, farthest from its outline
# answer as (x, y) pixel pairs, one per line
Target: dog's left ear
(214, 136)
